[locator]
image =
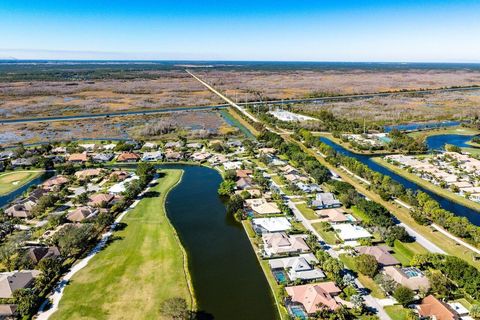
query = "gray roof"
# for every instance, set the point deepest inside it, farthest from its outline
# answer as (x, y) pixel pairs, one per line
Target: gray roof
(11, 281)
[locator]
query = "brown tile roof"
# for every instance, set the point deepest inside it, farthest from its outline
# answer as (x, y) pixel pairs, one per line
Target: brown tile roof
(381, 254)
(314, 297)
(80, 214)
(55, 181)
(128, 156)
(97, 200)
(11, 281)
(244, 173)
(78, 157)
(432, 307)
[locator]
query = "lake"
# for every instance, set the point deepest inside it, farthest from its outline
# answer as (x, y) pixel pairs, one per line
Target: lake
(227, 278)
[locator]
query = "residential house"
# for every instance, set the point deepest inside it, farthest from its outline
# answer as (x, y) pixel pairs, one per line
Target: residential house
(314, 297)
(58, 150)
(333, 216)
(174, 144)
(5, 155)
(103, 157)
(23, 162)
(101, 200)
(217, 159)
(195, 145)
(23, 208)
(244, 173)
(88, 173)
(78, 157)
(309, 187)
(110, 146)
(433, 308)
(262, 206)
(244, 183)
(152, 156)
(232, 165)
(300, 267)
(88, 146)
(81, 213)
(267, 150)
(381, 253)
(279, 243)
(15, 280)
(200, 156)
(120, 175)
(411, 278)
(8, 311)
(38, 253)
(171, 155)
(128, 157)
(325, 200)
(275, 224)
(150, 145)
(121, 187)
(350, 232)
(55, 182)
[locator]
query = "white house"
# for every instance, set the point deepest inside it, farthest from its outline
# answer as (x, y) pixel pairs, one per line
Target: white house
(350, 232)
(152, 156)
(300, 267)
(275, 224)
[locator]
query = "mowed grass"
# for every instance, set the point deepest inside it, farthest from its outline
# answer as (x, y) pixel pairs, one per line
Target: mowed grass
(306, 211)
(139, 270)
(396, 312)
(404, 251)
(11, 181)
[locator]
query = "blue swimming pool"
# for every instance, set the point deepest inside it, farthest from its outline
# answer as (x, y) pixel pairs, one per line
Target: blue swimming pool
(298, 312)
(280, 276)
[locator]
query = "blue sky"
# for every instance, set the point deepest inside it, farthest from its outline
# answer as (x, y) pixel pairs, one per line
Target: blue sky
(241, 30)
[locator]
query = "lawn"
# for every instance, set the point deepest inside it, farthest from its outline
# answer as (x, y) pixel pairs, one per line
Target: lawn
(396, 312)
(366, 281)
(359, 214)
(404, 252)
(329, 236)
(274, 286)
(11, 181)
(306, 211)
(142, 267)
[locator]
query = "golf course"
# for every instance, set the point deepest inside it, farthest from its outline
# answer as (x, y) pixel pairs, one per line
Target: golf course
(10, 181)
(142, 266)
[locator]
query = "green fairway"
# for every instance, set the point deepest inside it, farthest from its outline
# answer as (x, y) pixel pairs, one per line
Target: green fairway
(142, 267)
(11, 181)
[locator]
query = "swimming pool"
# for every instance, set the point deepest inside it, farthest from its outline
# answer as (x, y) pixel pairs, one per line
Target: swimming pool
(412, 272)
(280, 276)
(298, 312)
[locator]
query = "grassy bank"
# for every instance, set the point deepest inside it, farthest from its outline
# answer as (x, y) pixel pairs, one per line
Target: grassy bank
(450, 130)
(11, 181)
(427, 185)
(142, 267)
(275, 288)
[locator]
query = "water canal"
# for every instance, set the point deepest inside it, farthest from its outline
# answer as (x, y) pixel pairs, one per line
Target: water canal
(6, 199)
(227, 278)
(446, 204)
